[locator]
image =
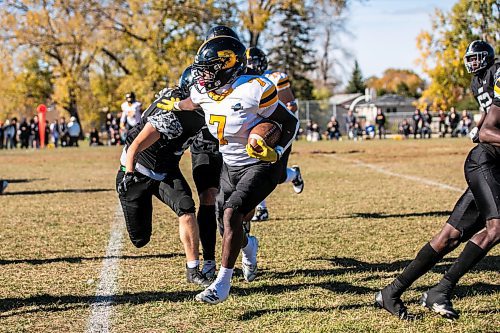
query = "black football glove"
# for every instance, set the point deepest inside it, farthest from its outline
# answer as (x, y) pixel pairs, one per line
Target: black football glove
(128, 179)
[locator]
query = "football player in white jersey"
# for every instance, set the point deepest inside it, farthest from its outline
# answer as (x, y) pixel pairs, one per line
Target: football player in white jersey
(131, 111)
(257, 65)
(233, 104)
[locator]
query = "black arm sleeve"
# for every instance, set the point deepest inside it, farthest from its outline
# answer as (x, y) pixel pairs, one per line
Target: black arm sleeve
(289, 124)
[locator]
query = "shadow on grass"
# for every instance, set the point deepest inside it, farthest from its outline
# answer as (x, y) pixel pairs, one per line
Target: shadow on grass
(74, 190)
(78, 260)
(274, 289)
(387, 216)
(249, 315)
(24, 180)
(51, 303)
(349, 265)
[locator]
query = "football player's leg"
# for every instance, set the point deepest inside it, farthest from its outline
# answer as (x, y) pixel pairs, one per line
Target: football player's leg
(482, 174)
(206, 175)
(292, 174)
(218, 291)
(138, 208)
(257, 183)
(463, 222)
(175, 192)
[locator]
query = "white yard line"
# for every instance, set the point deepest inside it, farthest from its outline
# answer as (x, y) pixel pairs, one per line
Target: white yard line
(102, 306)
(400, 175)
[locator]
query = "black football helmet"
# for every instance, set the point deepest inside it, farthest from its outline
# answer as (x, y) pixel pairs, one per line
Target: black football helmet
(186, 81)
(257, 60)
(219, 61)
(130, 97)
(478, 56)
(221, 30)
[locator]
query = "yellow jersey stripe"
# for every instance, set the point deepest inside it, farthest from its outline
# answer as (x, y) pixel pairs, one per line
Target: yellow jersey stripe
(268, 92)
(497, 89)
(269, 103)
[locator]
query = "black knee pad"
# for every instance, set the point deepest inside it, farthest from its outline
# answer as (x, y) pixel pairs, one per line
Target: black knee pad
(234, 202)
(185, 205)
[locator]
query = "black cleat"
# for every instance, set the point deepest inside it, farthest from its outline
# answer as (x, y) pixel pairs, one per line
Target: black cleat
(440, 303)
(385, 299)
(193, 275)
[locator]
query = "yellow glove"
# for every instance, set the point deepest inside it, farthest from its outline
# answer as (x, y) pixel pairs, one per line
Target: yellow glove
(169, 104)
(267, 154)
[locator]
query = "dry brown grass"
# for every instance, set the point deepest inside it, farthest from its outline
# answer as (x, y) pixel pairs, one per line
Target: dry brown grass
(323, 254)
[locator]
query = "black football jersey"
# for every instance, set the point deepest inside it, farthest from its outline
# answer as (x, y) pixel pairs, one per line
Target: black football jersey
(177, 131)
(482, 86)
(205, 142)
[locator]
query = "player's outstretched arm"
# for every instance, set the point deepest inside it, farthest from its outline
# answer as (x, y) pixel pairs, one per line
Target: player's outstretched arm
(490, 129)
(146, 137)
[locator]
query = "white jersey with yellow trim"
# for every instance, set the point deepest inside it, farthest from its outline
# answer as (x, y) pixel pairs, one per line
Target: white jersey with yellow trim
(234, 110)
(280, 79)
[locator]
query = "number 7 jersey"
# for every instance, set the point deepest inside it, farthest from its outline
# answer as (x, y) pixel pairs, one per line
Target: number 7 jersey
(231, 114)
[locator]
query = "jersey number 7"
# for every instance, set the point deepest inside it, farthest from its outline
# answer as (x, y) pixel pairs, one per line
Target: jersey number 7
(221, 124)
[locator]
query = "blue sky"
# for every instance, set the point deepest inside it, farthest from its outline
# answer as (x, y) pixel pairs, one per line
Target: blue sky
(384, 32)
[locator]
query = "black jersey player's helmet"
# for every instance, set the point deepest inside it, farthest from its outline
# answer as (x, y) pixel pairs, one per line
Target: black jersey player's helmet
(186, 81)
(221, 30)
(219, 61)
(130, 97)
(256, 59)
(478, 56)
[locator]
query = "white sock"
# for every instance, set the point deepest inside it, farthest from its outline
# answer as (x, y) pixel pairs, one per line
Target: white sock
(193, 263)
(248, 252)
(207, 266)
(290, 175)
(262, 204)
(222, 283)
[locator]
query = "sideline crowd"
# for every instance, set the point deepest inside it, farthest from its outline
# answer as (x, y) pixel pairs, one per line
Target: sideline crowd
(420, 125)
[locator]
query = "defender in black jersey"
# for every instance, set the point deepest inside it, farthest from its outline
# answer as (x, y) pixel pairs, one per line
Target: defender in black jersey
(206, 165)
(150, 167)
(475, 217)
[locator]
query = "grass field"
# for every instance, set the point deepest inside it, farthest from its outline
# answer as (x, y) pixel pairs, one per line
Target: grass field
(323, 254)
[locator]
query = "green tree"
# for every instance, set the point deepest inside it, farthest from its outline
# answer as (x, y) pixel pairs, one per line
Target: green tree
(293, 54)
(356, 83)
(442, 48)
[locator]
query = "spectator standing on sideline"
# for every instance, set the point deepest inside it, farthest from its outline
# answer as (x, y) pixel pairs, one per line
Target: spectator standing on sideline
(454, 120)
(73, 132)
(109, 129)
(24, 133)
(131, 111)
(54, 133)
(426, 124)
(350, 120)
(443, 123)
(47, 133)
(63, 132)
(417, 123)
(94, 138)
(380, 121)
(9, 133)
(13, 124)
(35, 133)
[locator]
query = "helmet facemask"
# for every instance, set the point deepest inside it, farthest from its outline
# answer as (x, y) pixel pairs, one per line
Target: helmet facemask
(475, 61)
(214, 75)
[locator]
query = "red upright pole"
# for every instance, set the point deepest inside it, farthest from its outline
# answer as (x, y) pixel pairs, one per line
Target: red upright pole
(42, 110)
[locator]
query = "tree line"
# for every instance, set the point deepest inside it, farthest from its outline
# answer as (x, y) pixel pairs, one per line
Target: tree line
(83, 56)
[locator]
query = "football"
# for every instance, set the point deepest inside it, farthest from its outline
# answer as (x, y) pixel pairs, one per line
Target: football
(268, 131)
